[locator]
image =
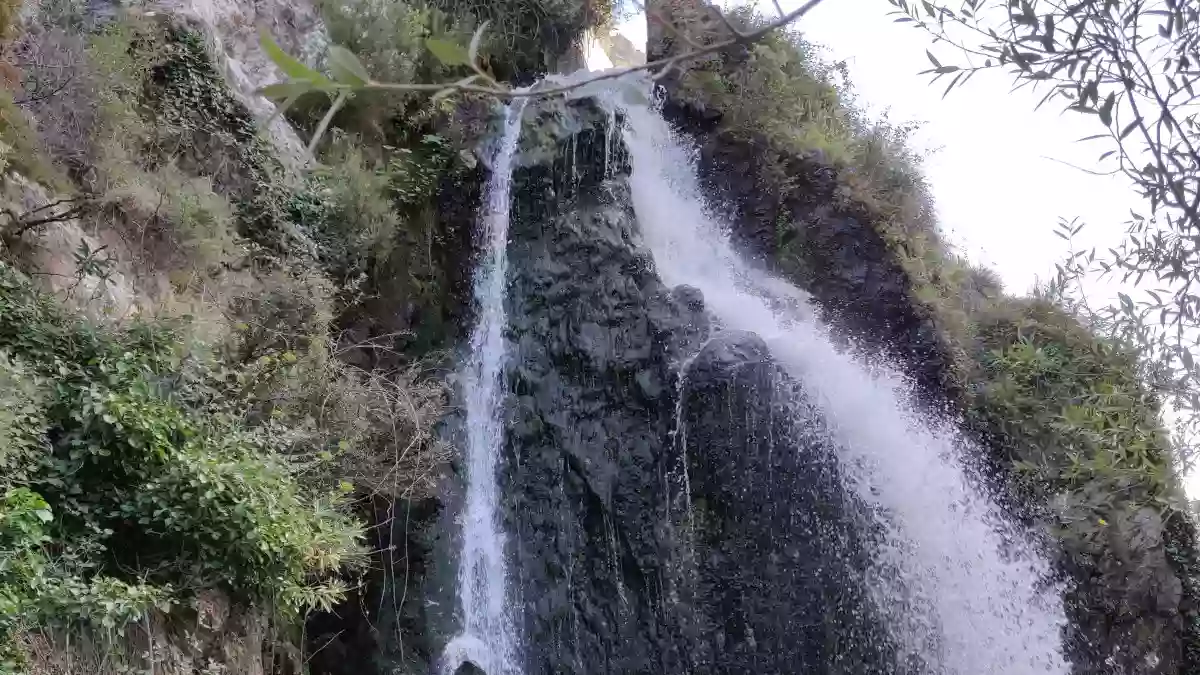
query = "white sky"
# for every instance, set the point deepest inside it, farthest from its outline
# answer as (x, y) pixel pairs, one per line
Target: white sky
(998, 189)
(998, 195)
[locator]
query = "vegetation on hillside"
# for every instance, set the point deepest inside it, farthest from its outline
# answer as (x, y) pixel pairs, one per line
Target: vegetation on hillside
(179, 412)
(1129, 68)
(257, 374)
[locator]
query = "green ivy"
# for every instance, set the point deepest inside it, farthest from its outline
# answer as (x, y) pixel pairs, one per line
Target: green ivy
(203, 125)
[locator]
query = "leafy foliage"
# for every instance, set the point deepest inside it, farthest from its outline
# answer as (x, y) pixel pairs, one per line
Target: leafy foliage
(528, 36)
(199, 125)
(779, 89)
(1072, 417)
(145, 464)
(222, 451)
(1072, 412)
(347, 207)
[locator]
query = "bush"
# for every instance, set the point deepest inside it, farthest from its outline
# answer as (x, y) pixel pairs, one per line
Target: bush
(22, 422)
(19, 148)
(348, 211)
(778, 91)
(82, 90)
(149, 469)
(1071, 412)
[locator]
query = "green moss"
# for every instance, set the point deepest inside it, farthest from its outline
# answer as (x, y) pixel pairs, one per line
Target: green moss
(199, 125)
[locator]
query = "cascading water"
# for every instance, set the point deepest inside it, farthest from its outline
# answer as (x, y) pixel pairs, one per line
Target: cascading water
(488, 637)
(961, 588)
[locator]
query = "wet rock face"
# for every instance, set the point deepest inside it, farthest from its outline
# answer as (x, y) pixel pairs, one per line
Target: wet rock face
(776, 558)
(469, 668)
(595, 338)
(839, 256)
(621, 565)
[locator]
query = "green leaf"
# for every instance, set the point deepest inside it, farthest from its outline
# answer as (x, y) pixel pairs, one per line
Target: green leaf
(1106, 109)
(1129, 128)
(346, 67)
(289, 65)
(449, 53)
(932, 60)
(282, 91)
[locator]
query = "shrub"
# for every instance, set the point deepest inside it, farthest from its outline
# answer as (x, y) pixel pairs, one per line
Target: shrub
(1071, 411)
(82, 90)
(142, 473)
(779, 91)
(347, 210)
(22, 422)
(527, 37)
(19, 148)
(197, 124)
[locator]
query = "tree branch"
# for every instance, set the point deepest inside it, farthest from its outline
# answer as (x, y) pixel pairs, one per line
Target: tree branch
(498, 91)
(19, 224)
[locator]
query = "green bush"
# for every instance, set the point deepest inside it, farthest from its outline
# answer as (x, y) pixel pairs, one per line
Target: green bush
(1071, 413)
(150, 470)
(778, 91)
(198, 125)
(22, 422)
(347, 209)
(527, 37)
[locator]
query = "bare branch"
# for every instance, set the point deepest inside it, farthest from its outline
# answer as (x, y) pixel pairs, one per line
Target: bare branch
(21, 223)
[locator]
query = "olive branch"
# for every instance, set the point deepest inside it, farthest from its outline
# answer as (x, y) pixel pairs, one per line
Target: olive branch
(348, 76)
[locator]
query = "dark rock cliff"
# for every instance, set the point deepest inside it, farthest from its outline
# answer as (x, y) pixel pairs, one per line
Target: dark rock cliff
(659, 524)
(596, 341)
(778, 549)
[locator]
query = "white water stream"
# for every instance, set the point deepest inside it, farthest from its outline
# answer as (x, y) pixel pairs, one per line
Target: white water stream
(489, 636)
(958, 585)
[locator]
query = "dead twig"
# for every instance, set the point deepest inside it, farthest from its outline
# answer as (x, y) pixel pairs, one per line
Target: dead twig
(21, 223)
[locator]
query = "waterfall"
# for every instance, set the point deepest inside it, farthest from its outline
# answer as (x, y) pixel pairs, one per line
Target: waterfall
(488, 637)
(961, 588)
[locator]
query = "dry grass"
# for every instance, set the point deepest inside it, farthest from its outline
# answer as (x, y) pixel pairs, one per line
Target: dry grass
(210, 637)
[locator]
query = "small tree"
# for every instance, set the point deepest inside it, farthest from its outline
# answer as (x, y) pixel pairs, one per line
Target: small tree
(1133, 66)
